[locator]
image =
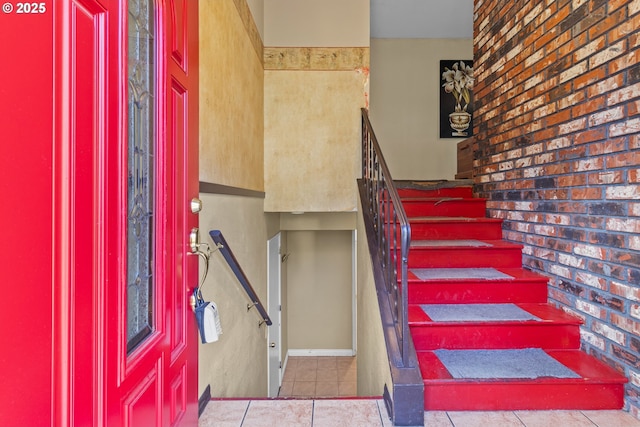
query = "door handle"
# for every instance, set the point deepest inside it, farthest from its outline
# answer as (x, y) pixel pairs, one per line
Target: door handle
(195, 245)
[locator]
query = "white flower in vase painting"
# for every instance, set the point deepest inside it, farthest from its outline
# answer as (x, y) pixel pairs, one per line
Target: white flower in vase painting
(458, 81)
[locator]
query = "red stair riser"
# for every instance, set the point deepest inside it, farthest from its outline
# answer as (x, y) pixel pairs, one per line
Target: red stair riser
(469, 292)
(521, 395)
(439, 192)
(495, 336)
(460, 230)
(472, 208)
(463, 257)
(600, 388)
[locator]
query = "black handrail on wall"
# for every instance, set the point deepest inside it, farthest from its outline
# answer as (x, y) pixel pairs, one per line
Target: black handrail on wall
(392, 231)
(225, 250)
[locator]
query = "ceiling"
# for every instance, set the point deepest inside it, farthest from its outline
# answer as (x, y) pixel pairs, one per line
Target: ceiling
(422, 19)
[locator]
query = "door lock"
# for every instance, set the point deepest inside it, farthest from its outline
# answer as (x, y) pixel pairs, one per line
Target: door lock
(196, 205)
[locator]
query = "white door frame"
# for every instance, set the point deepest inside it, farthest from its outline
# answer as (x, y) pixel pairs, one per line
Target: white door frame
(354, 293)
(274, 308)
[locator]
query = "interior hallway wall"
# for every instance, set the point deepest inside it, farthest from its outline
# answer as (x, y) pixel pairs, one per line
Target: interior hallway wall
(316, 80)
(231, 154)
(231, 96)
(374, 371)
(405, 105)
(319, 295)
(306, 23)
(236, 365)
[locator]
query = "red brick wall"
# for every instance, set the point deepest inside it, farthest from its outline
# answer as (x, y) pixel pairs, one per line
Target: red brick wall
(557, 152)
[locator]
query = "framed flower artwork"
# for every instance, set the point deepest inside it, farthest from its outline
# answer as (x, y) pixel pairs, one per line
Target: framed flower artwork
(456, 98)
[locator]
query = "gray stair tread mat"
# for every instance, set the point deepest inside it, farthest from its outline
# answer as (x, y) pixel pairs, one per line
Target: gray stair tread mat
(441, 243)
(459, 273)
(526, 363)
(476, 312)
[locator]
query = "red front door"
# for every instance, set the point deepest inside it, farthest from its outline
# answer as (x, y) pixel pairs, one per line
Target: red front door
(126, 169)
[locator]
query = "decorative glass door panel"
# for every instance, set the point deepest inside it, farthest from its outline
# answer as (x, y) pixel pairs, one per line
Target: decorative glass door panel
(141, 171)
(150, 350)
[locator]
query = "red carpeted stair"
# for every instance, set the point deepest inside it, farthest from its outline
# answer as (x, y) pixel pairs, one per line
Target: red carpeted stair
(459, 266)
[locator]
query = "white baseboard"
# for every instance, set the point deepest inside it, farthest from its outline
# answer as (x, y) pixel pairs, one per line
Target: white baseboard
(320, 352)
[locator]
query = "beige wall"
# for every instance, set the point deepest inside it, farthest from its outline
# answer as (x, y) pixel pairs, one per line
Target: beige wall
(231, 96)
(236, 365)
(312, 139)
(316, 80)
(335, 23)
(315, 222)
(310, 167)
(319, 292)
(405, 85)
(231, 153)
(373, 366)
(318, 221)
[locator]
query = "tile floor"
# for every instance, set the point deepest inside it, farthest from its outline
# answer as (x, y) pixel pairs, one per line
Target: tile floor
(294, 413)
(313, 394)
(372, 413)
(310, 376)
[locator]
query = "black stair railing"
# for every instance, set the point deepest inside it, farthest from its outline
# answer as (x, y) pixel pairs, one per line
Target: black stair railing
(225, 250)
(392, 231)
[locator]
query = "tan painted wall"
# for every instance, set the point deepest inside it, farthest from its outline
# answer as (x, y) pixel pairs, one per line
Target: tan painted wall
(316, 80)
(373, 365)
(236, 365)
(319, 289)
(231, 153)
(405, 85)
(335, 23)
(231, 97)
(233, 112)
(318, 221)
(312, 139)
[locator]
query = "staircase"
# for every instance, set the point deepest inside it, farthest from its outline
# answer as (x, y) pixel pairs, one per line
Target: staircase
(485, 336)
